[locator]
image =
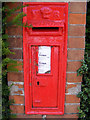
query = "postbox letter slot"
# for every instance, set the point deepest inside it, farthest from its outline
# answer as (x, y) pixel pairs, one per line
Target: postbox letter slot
(45, 29)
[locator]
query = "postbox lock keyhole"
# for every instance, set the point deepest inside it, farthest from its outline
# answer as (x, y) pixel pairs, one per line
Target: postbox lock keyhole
(38, 83)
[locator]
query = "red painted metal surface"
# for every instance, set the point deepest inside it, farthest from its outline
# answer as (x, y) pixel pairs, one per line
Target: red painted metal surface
(45, 85)
(45, 93)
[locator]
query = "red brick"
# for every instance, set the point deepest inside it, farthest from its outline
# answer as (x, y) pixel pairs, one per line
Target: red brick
(12, 5)
(73, 66)
(63, 116)
(70, 86)
(17, 99)
(18, 92)
(15, 77)
(75, 54)
(17, 108)
(18, 66)
(77, 18)
(14, 30)
(72, 99)
(11, 17)
(77, 7)
(29, 116)
(71, 109)
(49, 116)
(19, 85)
(15, 42)
(76, 43)
(72, 77)
(17, 54)
(76, 30)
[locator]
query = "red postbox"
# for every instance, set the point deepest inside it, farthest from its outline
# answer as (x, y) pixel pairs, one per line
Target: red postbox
(45, 55)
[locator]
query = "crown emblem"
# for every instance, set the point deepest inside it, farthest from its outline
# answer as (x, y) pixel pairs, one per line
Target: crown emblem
(46, 12)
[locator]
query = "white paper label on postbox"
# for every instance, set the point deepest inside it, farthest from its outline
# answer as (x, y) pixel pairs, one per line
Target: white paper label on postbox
(44, 59)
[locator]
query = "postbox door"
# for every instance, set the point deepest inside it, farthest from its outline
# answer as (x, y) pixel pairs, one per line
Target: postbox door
(45, 76)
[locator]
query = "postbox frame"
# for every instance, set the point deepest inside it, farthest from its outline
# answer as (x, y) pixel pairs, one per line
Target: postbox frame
(28, 63)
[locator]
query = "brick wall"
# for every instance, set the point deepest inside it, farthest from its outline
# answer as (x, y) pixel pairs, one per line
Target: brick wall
(75, 50)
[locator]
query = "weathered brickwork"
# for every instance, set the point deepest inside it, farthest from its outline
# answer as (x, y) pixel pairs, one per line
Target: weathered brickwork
(75, 52)
(76, 42)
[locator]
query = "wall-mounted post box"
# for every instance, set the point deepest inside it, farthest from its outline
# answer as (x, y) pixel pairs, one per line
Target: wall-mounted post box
(45, 54)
